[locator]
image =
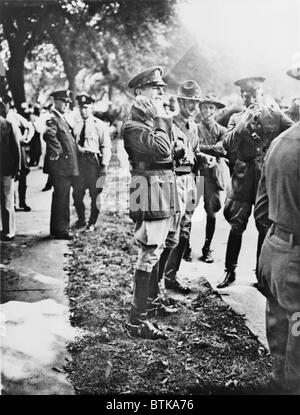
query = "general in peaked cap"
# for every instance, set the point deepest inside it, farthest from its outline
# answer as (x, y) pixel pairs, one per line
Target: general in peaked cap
(189, 90)
(251, 83)
(84, 100)
(149, 77)
(212, 98)
(62, 95)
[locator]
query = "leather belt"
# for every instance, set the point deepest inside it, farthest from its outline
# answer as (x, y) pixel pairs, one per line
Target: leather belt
(144, 165)
(185, 169)
(88, 154)
(285, 235)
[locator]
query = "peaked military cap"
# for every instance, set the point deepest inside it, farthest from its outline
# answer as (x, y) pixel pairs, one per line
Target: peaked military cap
(84, 100)
(148, 77)
(212, 98)
(253, 82)
(189, 90)
(294, 72)
(62, 95)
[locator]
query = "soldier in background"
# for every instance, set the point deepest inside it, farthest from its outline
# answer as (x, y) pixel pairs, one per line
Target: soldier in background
(62, 163)
(10, 163)
(210, 132)
(94, 153)
(278, 208)
(246, 142)
(185, 133)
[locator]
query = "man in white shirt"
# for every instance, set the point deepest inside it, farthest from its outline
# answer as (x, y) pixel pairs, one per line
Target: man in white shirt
(94, 153)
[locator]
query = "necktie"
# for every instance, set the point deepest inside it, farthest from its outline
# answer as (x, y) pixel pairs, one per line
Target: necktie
(82, 135)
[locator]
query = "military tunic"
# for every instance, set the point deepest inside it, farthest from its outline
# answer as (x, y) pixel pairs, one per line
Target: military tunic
(153, 194)
(209, 134)
(278, 205)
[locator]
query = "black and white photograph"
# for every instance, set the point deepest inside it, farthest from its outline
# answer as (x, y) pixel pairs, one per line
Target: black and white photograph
(150, 200)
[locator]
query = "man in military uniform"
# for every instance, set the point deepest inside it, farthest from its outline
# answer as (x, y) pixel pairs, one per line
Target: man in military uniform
(94, 153)
(210, 132)
(185, 133)
(153, 199)
(63, 165)
(246, 142)
(278, 208)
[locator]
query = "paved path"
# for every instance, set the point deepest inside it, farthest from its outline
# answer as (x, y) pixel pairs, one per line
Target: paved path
(33, 304)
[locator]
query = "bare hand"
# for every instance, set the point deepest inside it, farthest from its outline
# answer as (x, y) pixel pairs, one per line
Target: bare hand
(146, 105)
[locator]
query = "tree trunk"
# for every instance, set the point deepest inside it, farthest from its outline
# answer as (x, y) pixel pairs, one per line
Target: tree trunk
(15, 78)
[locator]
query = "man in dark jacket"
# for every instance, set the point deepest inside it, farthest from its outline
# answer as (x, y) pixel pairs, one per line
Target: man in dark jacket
(153, 199)
(278, 208)
(10, 158)
(246, 142)
(63, 165)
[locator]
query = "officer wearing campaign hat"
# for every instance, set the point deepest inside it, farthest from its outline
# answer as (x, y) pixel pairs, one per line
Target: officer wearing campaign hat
(185, 134)
(246, 142)
(61, 163)
(278, 208)
(210, 133)
(94, 153)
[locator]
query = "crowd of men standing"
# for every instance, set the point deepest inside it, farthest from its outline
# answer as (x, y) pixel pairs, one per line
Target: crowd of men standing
(166, 155)
(175, 159)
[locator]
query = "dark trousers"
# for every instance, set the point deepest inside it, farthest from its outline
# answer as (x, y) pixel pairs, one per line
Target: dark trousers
(89, 174)
(60, 207)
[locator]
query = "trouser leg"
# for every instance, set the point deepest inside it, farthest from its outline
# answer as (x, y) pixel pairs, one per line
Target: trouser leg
(174, 259)
(7, 205)
(79, 188)
(91, 178)
(60, 209)
(277, 327)
(22, 188)
(261, 237)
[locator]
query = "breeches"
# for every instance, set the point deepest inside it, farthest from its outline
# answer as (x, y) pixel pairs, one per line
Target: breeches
(237, 214)
(152, 237)
(212, 197)
(187, 193)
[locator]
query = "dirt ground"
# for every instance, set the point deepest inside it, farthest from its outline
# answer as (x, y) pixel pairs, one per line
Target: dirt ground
(209, 351)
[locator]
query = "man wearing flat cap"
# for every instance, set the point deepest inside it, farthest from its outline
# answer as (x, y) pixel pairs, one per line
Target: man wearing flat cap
(277, 208)
(153, 197)
(62, 164)
(210, 133)
(246, 142)
(94, 153)
(185, 134)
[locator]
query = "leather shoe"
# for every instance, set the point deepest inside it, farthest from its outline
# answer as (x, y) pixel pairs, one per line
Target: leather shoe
(25, 208)
(207, 256)
(80, 224)
(156, 307)
(175, 285)
(229, 278)
(146, 330)
(63, 235)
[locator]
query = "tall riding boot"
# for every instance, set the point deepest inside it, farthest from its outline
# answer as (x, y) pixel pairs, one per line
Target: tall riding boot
(209, 233)
(172, 266)
(140, 295)
(232, 253)
(139, 325)
(157, 273)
